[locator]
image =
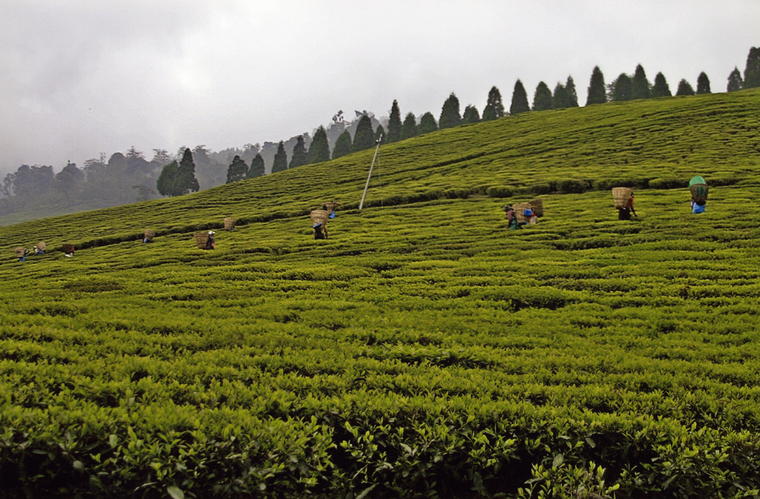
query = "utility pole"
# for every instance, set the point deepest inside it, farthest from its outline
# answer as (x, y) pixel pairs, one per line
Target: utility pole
(366, 185)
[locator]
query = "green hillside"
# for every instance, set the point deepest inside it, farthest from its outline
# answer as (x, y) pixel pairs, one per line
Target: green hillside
(423, 349)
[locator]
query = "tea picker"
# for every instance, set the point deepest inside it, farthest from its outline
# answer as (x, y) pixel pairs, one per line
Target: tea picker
(622, 199)
(699, 189)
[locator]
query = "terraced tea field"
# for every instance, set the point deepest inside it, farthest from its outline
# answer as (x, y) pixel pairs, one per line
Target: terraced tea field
(423, 349)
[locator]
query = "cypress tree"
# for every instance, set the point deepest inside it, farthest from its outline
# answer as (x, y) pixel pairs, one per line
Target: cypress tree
(660, 88)
(409, 128)
(280, 159)
(703, 84)
(380, 135)
(394, 124)
(494, 107)
(622, 88)
(167, 179)
(684, 88)
(542, 99)
(519, 99)
(299, 153)
(342, 145)
(319, 150)
(237, 170)
(752, 69)
(427, 124)
(364, 137)
(596, 88)
(560, 99)
(186, 181)
(640, 84)
(572, 95)
(735, 81)
(257, 167)
(450, 113)
(470, 115)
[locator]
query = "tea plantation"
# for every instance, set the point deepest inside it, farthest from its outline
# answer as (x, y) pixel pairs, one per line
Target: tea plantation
(422, 350)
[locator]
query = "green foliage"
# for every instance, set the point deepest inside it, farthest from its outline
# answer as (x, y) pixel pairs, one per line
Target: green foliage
(752, 69)
(703, 84)
(280, 366)
(185, 181)
(280, 162)
(427, 124)
(684, 88)
(560, 98)
(299, 153)
(572, 94)
(597, 90)
(319, 149)
(409, 128)
(640, 85)
(450, 116)
(494, 106)
(364, 137)
(622, 89)
(257, 168)
(167, 179)
(342, 145)
(660, 88)
(735, 81)
(542, 98)
(380, 136)
(519, 99)
(470, 114)
(237, 170)
(394, 123)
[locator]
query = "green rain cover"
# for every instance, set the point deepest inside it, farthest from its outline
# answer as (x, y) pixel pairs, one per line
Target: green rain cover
(697, 180)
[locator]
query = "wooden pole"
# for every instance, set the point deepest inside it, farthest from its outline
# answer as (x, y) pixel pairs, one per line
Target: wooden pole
(366, 185)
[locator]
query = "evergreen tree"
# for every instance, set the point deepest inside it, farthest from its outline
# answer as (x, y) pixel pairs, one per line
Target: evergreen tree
(342, 145)
(470, 115)
(685, 88)
(280, 159)
(380, 134)
(640, 84)
(752, 69)
(660, 88)
(703, 84)
(622, 88)
(735, 81)
(167, 179)
(394, 124)
(186, 181)
(596, 88)
(409, 128)
(572, 95)
(364, 137)
(450, 116)
(427, 124)
(299, 153)
(542, 98)
(237, 170)
(494, 107)
(319, 150)
(519, 99)
(560, 99)
(257, 167)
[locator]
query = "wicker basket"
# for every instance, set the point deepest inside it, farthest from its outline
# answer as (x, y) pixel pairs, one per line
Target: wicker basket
(519, 209)
(149, 234)
(538, 207)
(620, 196)
(20, 251)
(41, 246)
(229, 223)
(332, 206)
(699, 193)
(319, 216)
(201, 238)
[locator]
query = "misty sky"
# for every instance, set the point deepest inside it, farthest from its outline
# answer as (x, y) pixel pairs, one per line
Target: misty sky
(84, 77)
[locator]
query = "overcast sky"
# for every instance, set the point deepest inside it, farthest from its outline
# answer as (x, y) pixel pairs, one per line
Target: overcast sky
(82, 77)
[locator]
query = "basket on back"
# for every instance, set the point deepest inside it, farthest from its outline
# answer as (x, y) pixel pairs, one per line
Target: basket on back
(520, 211)
(332, 206)
(149, 234)
(318, 217)
(538, 207)
(201, 238)
(620, 196)
(229, 223)
(20, 251)
(699, 193)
